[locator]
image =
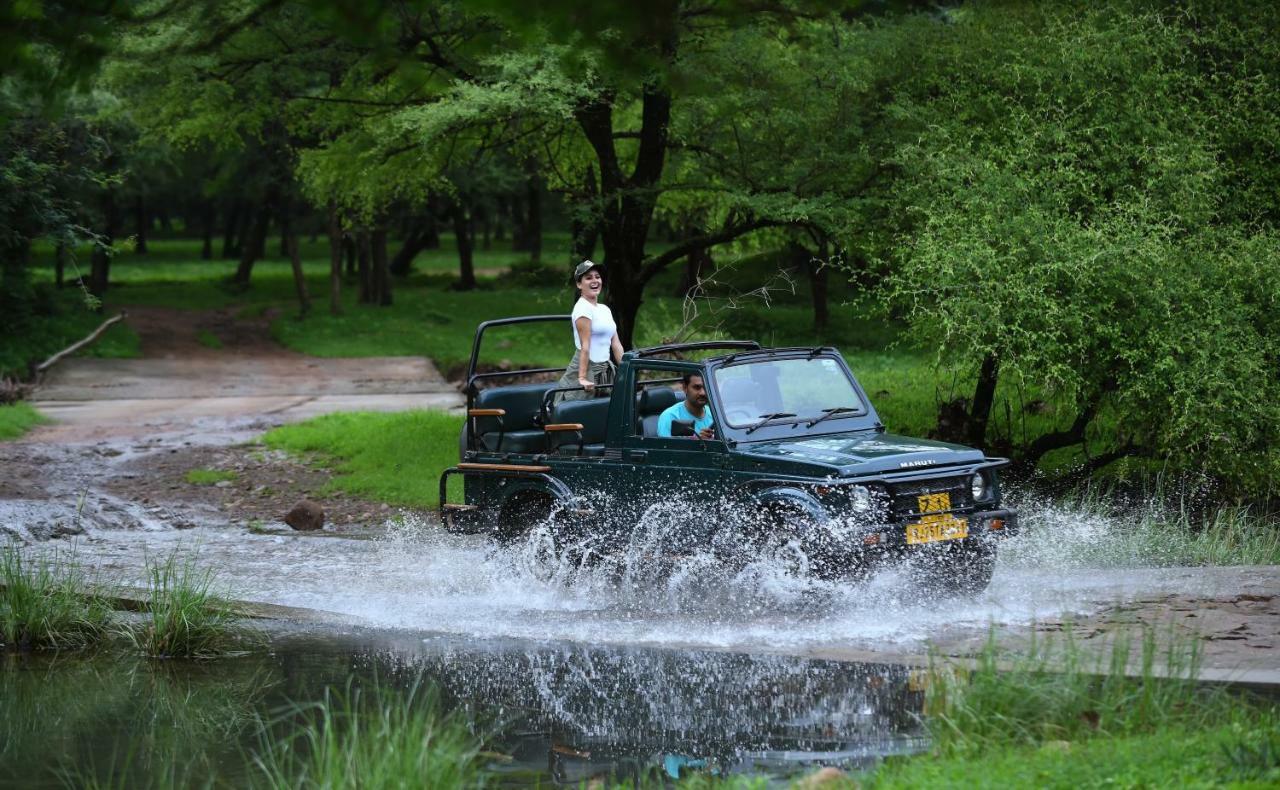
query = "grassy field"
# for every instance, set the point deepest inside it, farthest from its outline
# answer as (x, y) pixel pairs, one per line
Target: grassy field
(395, 458)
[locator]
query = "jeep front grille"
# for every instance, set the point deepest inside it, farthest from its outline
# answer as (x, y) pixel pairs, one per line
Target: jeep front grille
(904, 498)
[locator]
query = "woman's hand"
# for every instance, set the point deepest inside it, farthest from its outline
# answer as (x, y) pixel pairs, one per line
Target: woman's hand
(587, 384)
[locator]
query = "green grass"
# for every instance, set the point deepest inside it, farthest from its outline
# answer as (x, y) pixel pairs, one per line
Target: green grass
(1130, 718)
(1243, 753)
(1057, 691)
(208, 477)
(370, 739)
(389, 457)
(208, 339)
(185, 618)
(47, 603)
(18, 418)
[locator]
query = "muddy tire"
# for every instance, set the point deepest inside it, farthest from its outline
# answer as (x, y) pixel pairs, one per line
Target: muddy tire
(961, 569)
(522, 513)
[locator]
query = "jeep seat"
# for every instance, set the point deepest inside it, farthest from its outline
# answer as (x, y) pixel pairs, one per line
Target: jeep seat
(592, 414)
(519, 430)
(653, 402)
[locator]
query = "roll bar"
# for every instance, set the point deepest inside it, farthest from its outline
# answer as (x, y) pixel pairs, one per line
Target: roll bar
(475, 347)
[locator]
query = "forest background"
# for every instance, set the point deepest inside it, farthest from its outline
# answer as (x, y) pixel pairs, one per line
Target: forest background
(1048, 229)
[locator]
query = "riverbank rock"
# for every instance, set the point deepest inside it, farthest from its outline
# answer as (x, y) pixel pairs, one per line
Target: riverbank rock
(305, 516)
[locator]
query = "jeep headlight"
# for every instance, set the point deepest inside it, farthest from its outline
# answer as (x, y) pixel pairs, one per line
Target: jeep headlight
(860, 499)
(978, 487)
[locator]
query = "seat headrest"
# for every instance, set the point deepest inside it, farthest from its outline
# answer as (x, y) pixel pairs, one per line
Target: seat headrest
(656, 400)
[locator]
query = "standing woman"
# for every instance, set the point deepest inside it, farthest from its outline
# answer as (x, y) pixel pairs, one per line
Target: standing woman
(595, 336)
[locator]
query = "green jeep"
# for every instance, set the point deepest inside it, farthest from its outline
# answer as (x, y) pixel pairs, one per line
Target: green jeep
(800, 467)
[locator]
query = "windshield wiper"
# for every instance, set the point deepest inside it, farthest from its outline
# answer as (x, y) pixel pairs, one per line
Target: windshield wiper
(765, 419)
(829, 413)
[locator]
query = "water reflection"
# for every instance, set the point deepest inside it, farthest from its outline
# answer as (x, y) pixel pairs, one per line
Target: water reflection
(562, 712)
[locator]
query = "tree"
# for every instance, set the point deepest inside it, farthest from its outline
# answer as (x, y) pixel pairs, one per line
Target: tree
(1069, 220)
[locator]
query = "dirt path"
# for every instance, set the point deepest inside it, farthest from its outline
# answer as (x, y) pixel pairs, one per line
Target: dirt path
(127, 431)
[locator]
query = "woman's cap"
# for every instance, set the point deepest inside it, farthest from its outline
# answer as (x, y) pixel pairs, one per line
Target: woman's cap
(585, 267)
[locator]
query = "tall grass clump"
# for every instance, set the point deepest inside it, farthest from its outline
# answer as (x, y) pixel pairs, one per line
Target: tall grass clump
(1096, 527)
(375, 739)
(46, 603)
(1057, 693)
(185, 618)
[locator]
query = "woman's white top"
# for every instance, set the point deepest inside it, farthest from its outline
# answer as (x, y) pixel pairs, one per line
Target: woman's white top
(602, 329)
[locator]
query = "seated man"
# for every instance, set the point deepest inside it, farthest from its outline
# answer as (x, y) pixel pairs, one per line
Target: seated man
(693, 409)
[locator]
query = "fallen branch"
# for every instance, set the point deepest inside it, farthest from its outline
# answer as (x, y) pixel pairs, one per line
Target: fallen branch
(74, 347)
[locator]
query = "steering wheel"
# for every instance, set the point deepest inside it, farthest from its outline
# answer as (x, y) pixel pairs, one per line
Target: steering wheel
(739, 416)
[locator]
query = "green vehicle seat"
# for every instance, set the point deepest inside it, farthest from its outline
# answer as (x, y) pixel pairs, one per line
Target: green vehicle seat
(519, 428)
(592, 415)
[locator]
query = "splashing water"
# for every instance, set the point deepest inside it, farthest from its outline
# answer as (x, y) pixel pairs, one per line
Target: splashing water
(545, 587)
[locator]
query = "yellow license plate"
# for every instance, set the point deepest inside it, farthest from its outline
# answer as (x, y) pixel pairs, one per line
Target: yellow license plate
(936, 524)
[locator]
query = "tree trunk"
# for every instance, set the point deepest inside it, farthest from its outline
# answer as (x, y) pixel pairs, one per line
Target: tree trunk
(230, 235)
(532, 232)
(142, 222)
(697, 264)
(808, 262)
(364, 271)
(627, 201)
(984, 395)
(416, 240)
(299, 279)
(335, 260)
(100, 261)
(381, 276)
(287, 236)
(207, 219)
(462, 232)
(251, 247)
(584, 226)
(486, 228)
(350, 253)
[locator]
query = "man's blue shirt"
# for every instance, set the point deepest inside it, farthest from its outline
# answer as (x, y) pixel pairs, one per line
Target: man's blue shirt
(679, 412)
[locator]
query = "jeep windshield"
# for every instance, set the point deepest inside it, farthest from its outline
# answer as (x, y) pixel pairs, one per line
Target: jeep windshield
(802, 390)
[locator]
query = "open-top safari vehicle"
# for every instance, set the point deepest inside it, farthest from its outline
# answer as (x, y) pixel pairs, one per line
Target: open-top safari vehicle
(800, 465)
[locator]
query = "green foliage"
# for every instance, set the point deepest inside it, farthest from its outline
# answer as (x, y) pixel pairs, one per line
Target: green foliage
(208, 477)
(390, 457)
(18, 418)
(47, 603)
(208, 339)
(370, 739)
(185, 618)
(55, 321)
(1062, 203)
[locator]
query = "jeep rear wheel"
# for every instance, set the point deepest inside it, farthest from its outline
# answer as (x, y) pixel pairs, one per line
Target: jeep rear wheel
(522, 513)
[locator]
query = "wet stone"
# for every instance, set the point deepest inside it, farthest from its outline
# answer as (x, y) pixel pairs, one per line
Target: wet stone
(305, 516)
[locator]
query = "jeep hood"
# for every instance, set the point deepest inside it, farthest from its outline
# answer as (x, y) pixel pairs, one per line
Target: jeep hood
(864, 452)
